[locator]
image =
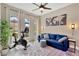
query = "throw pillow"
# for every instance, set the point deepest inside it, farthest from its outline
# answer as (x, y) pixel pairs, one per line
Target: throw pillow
(62, 39)
(46, 36)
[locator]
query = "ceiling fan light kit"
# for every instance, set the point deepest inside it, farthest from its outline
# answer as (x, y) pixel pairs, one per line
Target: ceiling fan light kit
(41, 9)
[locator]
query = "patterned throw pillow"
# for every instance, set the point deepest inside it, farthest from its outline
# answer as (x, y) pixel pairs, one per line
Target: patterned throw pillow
(46, 36)
(62, 39)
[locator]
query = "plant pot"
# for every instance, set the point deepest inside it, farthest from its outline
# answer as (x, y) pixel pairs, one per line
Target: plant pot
(4, 52)
(0, 50)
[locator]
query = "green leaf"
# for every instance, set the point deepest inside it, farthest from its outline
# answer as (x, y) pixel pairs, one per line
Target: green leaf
(5, 33)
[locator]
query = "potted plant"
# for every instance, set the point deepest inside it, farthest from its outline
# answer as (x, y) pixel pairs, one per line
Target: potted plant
(5, 33)
(0, 38)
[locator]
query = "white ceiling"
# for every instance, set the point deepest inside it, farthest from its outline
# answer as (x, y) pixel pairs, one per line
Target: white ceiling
(29, 7)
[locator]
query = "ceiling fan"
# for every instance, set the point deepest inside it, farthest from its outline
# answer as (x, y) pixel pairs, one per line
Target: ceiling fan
(41, 7)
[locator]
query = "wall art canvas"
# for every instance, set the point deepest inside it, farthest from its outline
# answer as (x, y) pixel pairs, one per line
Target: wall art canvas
(56, 20)
(63, 19)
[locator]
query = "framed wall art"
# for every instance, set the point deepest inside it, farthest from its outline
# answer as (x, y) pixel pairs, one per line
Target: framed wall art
(56, 20)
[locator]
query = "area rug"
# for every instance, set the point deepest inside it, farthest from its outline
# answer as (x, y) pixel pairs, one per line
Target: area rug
(34, 49)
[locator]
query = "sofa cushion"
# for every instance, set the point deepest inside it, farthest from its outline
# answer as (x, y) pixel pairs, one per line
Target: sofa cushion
(52, 36)
(62, 39)
(54, 42)
(59, 37)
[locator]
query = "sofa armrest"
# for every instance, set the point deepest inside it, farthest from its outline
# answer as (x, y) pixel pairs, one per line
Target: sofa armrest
(39, 38)
(65, 44)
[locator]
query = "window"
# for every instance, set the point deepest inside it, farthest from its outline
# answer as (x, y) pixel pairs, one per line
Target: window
(14, 19)
(14, 24)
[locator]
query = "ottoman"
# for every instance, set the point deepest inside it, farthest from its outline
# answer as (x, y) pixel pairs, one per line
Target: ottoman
(43, 43)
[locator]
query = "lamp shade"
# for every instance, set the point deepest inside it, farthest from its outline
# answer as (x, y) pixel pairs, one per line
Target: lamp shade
(73, 26)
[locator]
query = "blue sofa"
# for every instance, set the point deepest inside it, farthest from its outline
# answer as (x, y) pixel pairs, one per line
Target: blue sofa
(53, 41)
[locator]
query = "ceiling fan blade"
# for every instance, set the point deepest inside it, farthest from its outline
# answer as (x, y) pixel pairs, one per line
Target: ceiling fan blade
(36, 4)
(35, 9)
(45, 4)
(47, 8)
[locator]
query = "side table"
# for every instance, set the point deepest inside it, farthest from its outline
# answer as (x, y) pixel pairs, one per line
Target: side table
(74, 44)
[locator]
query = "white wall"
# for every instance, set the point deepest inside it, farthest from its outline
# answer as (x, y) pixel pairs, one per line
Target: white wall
(72, 12)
